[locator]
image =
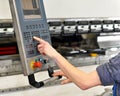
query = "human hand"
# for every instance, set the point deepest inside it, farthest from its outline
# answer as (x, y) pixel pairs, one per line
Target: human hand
(60, 73)
(45, 48)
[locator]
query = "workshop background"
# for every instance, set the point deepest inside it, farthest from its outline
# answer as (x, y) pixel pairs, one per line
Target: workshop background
(92, 28)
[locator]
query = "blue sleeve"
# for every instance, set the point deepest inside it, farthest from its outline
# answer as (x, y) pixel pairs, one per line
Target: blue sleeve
(110, 71)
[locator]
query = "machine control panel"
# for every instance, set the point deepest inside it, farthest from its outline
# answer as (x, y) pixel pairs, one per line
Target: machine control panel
(29, 20)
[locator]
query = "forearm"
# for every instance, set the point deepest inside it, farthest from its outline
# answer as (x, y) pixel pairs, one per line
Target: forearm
(80, 78)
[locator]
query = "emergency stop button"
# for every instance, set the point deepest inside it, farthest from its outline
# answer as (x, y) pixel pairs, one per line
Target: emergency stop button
(37, 64)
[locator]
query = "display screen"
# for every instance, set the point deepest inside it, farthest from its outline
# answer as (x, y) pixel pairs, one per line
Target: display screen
(31, 9)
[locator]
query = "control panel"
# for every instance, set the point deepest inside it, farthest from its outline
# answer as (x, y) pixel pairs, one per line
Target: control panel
(29, 20)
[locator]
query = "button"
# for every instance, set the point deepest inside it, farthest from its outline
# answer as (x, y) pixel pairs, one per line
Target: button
(37, 64)
(44, 61)
(31, 65)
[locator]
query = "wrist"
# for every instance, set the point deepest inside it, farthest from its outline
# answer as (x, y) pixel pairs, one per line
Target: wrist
(55, 55)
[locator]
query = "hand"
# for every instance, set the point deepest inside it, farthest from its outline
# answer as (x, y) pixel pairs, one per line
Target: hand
(45, 48)
(60, 73)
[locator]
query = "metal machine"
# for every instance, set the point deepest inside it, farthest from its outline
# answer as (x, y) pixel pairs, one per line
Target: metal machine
(75, 38)
(83, 39)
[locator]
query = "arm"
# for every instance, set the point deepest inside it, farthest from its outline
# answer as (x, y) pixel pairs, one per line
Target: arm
(81, 79)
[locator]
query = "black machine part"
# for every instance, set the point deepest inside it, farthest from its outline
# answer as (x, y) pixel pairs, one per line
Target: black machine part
(36, 84)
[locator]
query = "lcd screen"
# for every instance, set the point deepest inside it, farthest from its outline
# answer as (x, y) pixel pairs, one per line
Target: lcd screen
(31, 9)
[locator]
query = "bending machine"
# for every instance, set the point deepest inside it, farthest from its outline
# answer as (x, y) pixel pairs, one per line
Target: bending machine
(82, 44)
(83, 41)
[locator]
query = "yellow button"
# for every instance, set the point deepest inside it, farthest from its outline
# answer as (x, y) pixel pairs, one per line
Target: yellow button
(32, 65)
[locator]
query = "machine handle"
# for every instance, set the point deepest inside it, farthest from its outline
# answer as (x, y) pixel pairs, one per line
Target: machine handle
(36, 84)
(33, 82)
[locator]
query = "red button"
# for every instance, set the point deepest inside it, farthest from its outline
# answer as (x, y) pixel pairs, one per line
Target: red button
(37, 64)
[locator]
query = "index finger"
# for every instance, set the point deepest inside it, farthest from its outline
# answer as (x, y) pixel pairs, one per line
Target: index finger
(37, 39)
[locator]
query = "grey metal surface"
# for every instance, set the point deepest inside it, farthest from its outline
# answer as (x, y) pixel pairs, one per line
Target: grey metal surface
(108, 41)
(14, 65)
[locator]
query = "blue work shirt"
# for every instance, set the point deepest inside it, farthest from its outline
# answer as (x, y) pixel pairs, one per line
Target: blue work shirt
(110, 73)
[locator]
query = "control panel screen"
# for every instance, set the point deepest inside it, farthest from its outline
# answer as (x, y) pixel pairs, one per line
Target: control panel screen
(31, 9)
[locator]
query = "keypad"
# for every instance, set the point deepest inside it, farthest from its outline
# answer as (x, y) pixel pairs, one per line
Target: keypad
(30, 43)
(35, 26)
